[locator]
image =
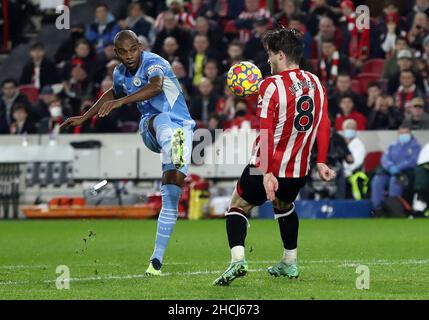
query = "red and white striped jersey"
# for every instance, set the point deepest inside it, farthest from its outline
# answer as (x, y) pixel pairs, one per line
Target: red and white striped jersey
(292, 107)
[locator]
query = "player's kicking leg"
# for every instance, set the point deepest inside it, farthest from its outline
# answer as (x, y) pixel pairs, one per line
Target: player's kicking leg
(236, 227)
(171, 140)
(288, 223)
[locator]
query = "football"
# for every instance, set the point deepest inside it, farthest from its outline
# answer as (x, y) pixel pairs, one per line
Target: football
(243, 78)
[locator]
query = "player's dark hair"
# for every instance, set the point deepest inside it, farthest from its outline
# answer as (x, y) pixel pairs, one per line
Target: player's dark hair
(9, 80)
(289, 41)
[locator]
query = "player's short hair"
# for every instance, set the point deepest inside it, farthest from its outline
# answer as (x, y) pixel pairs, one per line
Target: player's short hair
(410, 71)
(289, 41)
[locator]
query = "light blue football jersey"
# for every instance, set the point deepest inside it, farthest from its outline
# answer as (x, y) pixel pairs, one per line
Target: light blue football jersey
(170, 100)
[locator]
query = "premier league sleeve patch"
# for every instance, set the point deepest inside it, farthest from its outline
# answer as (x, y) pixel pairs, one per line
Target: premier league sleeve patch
(155, 70)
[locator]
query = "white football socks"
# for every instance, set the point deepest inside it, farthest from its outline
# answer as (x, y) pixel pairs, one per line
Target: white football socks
(290, 256)
(237, 253)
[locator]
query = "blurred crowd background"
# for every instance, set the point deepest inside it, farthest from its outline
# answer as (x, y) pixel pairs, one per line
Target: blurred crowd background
(378, 77)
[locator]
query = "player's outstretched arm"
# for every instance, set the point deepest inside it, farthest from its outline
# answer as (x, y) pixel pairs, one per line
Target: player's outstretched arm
(78, 120)
(152, 89)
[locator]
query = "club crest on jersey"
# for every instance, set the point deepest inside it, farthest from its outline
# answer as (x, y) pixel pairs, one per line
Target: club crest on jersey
(137, 82)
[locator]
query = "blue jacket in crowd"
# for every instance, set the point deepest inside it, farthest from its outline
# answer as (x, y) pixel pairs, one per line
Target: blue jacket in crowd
(402, 156)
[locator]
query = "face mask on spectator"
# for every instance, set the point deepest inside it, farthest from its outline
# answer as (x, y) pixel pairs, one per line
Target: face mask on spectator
(404, 138)
(55, 112)
(349, 133)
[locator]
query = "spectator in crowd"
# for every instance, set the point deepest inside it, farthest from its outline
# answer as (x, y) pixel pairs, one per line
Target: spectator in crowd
(9, 99)
(404, 62)
(199, 58)
(67, 47)
(421, 6)
(390, 29)
(170, 28)
(374, 92)
(244, 23)
(198, 8)
(317, 22)
(213, 125)
(137, 20)
(422, 68)
(41, 107)
(327, 30)
(419, 30)
(21, 122)
(296, 22)
(407, 90)
(57, 114)
(82, 57)
(78, 85)
(203, 104)
(356, 147)
(87, 126)
(289, 10)
(348, 112)
(417, 119)
(254, 50)
(211, 72)
(357, 40)
(39, 71)
(391, 67)
(171, 52)
(425, 44)
(331, 63)
(103, 30)
(235, 55)
(385, 115)
(243, 119)
(183, 19)
(353, 170)
(400, 156)
(185, 82)
(217, 42)
(101, 63)
(343, 86)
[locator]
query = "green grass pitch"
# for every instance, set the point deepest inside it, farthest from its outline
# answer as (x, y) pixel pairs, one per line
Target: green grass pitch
(107, 260)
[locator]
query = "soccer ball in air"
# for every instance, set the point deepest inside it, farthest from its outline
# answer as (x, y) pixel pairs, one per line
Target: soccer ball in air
(243, 79)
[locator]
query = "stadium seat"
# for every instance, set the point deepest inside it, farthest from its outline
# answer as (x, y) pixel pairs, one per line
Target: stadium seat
(373, 66)
(31, 92)
(365, 79)
(372, 161)
(356, 87)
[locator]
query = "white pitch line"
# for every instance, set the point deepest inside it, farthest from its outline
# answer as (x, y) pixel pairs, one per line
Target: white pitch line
(126, 277)
(385, 262)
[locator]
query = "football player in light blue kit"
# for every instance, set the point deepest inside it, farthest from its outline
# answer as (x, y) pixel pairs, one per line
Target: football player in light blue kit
(166, 126)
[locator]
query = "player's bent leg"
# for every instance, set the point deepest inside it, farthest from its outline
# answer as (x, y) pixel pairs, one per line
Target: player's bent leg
(171, 138)
(288, 223)
(171, 191)
(236, 226)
